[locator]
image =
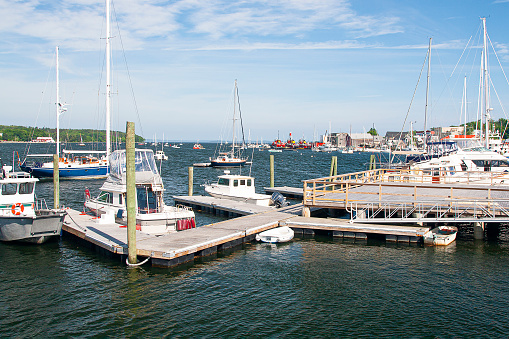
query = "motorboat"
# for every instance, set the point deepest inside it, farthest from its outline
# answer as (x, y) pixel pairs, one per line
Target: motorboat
(440, 236)
(23, 217)
(198, 146)
(276, 235)
(153, 216)
(238, 188)
(160, 155)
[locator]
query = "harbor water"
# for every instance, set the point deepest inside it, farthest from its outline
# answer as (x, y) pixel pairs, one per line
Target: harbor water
(312, 287)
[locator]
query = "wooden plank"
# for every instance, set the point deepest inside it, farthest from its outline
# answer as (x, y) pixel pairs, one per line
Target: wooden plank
(345, 226)
(221, 204)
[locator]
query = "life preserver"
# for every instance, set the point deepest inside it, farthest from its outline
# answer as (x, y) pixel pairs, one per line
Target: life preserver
(14, 208)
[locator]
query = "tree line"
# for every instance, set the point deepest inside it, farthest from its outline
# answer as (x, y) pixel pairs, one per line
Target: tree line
(22, 133)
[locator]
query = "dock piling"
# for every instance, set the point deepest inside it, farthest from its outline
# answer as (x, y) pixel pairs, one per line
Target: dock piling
(271, 157)
(190, 171)
(56, 182)
(131, 194)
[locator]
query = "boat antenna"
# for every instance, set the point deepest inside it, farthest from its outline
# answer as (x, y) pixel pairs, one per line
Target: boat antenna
(251, 164)
(427, 90)
(108, 85)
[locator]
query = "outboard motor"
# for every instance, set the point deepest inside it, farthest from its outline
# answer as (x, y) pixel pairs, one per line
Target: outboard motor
(278, 200)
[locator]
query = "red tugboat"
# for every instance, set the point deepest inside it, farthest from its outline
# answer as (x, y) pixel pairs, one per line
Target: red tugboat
(290, 143)
(303, 144)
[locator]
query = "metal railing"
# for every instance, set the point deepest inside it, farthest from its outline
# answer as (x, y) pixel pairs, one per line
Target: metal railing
(430, 211)
(339, 189)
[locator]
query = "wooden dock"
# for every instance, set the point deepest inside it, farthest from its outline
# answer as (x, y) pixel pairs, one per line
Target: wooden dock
(180, 247)
(174, 248)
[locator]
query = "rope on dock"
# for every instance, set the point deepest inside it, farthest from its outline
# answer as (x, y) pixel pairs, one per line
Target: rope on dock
(136, 265)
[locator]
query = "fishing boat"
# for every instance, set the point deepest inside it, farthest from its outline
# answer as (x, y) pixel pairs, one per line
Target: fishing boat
(160, 155)
(276, 235)
(440, 236)
(72, 164)
(238, 188)
(23, 217)
(233, 157)
(153, 216)
(198, 146)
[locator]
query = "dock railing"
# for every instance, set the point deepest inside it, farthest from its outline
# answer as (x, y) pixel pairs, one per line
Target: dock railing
(346, 188)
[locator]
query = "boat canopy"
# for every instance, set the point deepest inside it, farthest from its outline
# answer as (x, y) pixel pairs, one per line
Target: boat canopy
(145, 167)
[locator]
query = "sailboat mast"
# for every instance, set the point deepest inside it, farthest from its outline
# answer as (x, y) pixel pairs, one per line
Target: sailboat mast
(485, 84)
(108, 85)
(464, 104)
(427, 88)
(58, 105)
(233, 138)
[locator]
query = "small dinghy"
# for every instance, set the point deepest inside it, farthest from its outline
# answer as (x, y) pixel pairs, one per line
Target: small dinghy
(278, 234)
(440, 236)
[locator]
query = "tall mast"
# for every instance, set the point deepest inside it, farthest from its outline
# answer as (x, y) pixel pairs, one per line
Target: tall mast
(427, 88)
(485, 84)
(108, 86)
(234, 96)
(464, 104)
(58, 105)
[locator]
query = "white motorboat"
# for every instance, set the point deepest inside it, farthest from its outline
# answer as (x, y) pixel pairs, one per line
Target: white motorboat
(22, 216)
(238, 188)
(440, 236)
(153, 216)
(275, 235)
(160, 155)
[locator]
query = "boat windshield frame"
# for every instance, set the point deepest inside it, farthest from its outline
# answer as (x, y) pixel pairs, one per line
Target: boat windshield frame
(144, 162)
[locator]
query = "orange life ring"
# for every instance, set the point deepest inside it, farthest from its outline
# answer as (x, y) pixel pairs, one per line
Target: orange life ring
(21, 208)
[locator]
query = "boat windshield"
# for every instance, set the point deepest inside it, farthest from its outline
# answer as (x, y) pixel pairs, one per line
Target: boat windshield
(145, 165)
(223, 181)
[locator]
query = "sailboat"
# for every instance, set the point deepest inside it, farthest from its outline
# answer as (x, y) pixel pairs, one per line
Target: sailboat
(160, 155)
(82, 164)
(231, 158)
(153, 216)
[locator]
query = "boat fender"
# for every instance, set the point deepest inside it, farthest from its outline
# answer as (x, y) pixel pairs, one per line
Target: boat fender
(87, 194)
(14, 209)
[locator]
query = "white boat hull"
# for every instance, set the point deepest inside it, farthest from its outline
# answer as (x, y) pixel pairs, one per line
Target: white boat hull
(440, 236)
(276, 235)
(262, 200)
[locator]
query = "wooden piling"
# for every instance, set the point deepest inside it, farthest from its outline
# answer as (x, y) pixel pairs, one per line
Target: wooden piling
(190, 171)
(271, 157)
(131, 193)
(56, 182)
(334, 166)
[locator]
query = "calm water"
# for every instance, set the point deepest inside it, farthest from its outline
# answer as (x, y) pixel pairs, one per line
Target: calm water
(314, 287)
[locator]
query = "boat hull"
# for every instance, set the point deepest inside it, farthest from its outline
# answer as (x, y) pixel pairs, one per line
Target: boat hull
(276, 235)
(45, 225)
(260, 201)
(440, 236)
(239, 163)
(91, 172)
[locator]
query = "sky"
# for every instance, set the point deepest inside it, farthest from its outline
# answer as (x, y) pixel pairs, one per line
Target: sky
(300, 65)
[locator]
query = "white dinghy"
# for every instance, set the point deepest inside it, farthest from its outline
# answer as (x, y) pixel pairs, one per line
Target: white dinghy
(278, 234)
(440, 236)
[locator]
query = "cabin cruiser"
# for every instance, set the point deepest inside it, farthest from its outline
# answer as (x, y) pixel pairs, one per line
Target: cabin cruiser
(153, 216)
(23, 217)
(160, 155)
(472, 163)
(238, 188)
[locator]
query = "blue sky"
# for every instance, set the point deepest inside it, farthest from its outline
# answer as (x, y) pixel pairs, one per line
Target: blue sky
(300, 64)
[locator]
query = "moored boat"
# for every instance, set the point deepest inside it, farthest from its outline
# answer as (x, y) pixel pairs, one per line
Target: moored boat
(153, 216)
(276, 235)
(238, 188)
(22, 216)
(440, 236)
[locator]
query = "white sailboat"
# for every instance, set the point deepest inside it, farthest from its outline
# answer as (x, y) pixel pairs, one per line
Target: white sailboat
(72, 164)
(231, 158)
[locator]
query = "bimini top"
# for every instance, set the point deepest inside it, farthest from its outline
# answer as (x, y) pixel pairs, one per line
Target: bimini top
(145, 167)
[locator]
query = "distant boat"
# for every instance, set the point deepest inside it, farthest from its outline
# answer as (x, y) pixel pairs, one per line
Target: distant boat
(81, 142)
(231, 158)
(198, 146)
(43, 139)
(175, 146)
